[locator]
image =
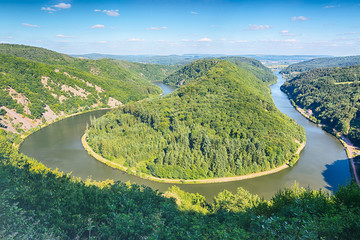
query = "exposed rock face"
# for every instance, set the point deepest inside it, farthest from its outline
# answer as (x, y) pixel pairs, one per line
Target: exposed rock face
(113, 102)
(14, 120)
(20, 99)
(49, 115)
(77, 92)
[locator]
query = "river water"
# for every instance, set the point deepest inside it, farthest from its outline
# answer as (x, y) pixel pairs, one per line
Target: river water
(322, 164)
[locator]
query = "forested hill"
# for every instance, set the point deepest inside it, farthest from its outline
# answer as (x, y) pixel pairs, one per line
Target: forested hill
(255, 67)
(223, 123)
(194, 70)
(37, 203)
(108, 68)
(332, 95)
(34, 92)
(322, 63)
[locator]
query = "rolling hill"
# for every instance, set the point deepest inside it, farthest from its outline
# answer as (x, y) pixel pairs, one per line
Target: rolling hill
(221, 123)
(321, 63)
(332, 95)
(38, 85)
(193, 70)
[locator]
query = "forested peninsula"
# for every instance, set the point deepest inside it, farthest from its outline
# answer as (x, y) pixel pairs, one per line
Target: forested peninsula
(331, 97)
(221, 123)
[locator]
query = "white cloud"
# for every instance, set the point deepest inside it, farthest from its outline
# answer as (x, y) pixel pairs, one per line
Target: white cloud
(156, 28)
(185, 40)
(258, 27)
(299, 18)
(97, 26)
(30, 25)
(101, 42)
(332, 6)
(111, 13)
(205, 39)
(63, 36)
(63, 5)
(290, 40)
(48, 9)
(56, 7)
(136, 40)
(194, 12)
(287, 33)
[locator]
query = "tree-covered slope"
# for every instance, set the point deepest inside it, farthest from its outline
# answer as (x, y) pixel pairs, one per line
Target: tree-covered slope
(322, 63)
(41, 91)
(255, 67)
(150, 72)
(222, 123)
(37, 203)
(196, 69)
(109, 68)
(332, 94)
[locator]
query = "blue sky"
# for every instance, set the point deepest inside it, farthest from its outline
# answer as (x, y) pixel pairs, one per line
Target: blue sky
(184, 26)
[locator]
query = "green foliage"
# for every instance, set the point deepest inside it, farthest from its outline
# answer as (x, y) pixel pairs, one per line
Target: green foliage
(223, 123)
(37, 203)
(191, 202)
(198, 68)
(322, 63)
(24, 69)
(190, 72)
(333, 96)
(2, 112)
(239, 202)
(255, 67)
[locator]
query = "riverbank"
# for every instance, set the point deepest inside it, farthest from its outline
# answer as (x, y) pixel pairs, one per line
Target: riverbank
(351, 150)
(183, 181)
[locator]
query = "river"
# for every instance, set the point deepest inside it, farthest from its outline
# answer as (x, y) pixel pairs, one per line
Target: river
(322, 164)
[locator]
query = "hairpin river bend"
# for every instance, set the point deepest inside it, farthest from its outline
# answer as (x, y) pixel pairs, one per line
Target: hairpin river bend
(322, 164)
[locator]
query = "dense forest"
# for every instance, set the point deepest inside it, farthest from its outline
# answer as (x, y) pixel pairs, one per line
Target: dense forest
(321, 63)
(222, 123)
(41, 85)
(196, 69)
(37, 203)
(129, 72)
(332, 94)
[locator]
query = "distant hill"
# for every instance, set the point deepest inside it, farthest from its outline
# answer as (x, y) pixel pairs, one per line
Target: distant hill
(39, 85)
(332, 95)
(102, 67)
(196, 69)
(222, 122)
(255, 67)
(153, 59)
(188, 58)
(322, 63)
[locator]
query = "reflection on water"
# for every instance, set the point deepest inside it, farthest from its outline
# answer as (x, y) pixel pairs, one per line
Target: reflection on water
(321, 164)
